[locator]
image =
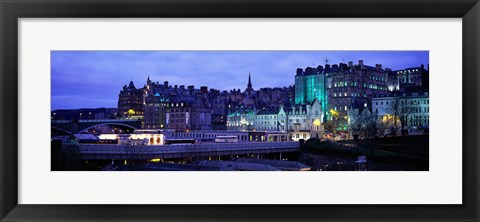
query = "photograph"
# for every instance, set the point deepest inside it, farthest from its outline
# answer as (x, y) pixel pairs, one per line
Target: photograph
(232, 110)
(239, 110)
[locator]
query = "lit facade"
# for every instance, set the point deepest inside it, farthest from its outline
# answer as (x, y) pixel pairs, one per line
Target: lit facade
(305, 121)
(131, 101)
(408, 109)
(154, 116)
(413, 77)
(185, 116)
(271, 120)
(241, 119)
(310, 85)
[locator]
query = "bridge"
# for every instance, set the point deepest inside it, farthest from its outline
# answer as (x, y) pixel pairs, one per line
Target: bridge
(79, 126)
(115, 151)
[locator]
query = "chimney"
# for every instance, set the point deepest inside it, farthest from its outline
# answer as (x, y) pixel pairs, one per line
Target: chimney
(334, 66)
(165, 84)
(350, 64)
(308, 71)
(319, 68)
(422, 66)
(360, 63)
(327, 66)
(299, 71)
(204, 89)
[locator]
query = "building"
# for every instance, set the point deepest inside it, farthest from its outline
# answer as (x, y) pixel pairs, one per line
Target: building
(274, 119)
(413, 77)
(131, 101)
(354, 86)
(154, 116)
(404, 111)
(241, 119)
(305, 121)
(311, 84)
(340, 86)
(189, 115)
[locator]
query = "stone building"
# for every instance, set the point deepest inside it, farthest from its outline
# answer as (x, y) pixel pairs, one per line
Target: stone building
(131, 101)
(340, 86)
(189, 115)
(154, 116)
(413, 77)
(274, 119)
(354, 86)
(409, 111)
(241, 119)
(305, 121)
(311, 84)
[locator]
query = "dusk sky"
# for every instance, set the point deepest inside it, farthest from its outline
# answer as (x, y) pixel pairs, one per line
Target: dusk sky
(93, 79)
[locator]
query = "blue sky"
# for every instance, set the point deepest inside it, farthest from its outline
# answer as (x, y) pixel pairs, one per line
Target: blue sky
(92, 79)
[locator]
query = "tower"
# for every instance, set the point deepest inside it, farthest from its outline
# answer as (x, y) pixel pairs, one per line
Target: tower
(249, 89)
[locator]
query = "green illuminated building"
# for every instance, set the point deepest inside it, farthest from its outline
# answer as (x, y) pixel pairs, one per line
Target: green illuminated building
(310, 85)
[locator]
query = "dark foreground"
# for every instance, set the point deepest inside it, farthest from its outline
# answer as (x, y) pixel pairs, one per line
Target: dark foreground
(409, 153)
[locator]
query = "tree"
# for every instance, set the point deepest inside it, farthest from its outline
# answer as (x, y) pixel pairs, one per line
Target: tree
(365, 124)
(402, 109)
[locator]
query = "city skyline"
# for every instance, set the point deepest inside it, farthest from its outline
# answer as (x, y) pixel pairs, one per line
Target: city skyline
(91, 79)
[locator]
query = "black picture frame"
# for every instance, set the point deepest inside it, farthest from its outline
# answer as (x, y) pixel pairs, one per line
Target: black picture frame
(11, 11)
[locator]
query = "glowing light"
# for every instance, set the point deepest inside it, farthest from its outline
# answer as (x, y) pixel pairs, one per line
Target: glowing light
(131, 112)
(333, 112)
(316, 122)
(156, 160)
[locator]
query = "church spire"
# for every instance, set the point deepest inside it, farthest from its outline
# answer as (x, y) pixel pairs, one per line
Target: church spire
(249, 85)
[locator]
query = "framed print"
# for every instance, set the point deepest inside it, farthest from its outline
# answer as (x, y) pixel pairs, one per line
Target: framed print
(147, 110)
